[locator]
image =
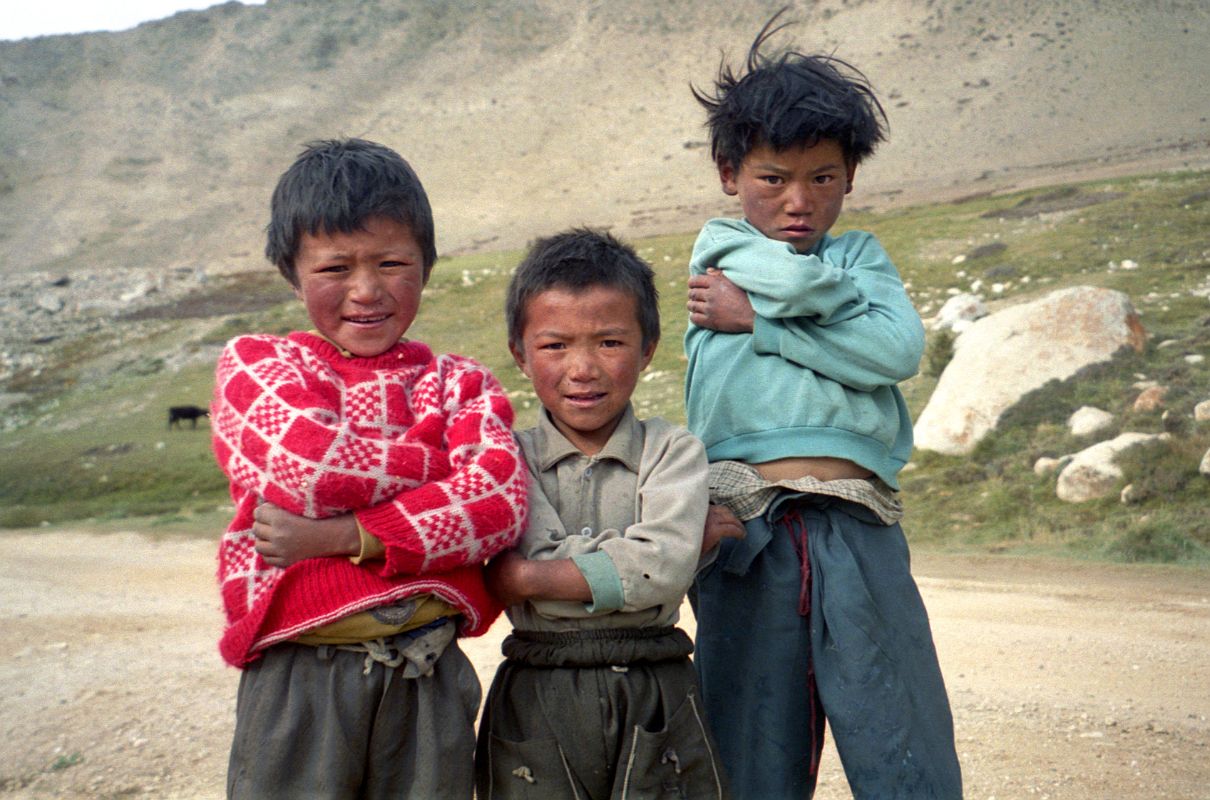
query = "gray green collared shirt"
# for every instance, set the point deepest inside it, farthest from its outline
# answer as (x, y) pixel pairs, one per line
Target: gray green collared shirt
(630, 518)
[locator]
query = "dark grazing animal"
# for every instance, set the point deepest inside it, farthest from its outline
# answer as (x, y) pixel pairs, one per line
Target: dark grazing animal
(191, 413)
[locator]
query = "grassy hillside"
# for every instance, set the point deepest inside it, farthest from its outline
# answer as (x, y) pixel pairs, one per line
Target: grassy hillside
(92, 444)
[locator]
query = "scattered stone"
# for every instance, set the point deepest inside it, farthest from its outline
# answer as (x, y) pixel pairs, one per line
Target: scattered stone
(1092, 473)
(1204, 467)
(50, 303)
(1194, 358)
(1046, 465)
(1201, 412)
(961, 308)
(1150, 399)
(1132, 495)
(1005, 355)
(1089, 420)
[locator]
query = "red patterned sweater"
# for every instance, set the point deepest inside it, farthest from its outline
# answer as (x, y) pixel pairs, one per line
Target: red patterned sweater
(419, 447)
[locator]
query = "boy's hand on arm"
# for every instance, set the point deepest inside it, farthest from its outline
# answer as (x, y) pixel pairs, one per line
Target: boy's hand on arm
(514, 579)
(721, 523)
(718, 304)
(283, 538)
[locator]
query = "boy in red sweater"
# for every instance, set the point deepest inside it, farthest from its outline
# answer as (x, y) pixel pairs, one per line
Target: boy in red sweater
(371, 481)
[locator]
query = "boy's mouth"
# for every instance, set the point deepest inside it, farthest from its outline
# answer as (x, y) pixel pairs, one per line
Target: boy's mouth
(367, 320)
(584, 398)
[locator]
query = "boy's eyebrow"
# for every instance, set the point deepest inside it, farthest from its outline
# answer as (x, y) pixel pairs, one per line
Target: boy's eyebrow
(771, 166)
(608, 331)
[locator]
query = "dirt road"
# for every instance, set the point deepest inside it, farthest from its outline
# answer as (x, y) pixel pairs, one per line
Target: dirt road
(1068, 680)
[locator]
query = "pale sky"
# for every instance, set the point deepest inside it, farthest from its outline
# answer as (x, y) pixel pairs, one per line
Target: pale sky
(25, 18)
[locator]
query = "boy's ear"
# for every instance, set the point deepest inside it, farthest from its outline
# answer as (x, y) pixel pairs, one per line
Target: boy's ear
(648, 353)
(727, 175)
(851, 170)
(519, 357)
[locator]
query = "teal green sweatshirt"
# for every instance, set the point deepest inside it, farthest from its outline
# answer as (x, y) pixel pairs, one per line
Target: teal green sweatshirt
(835, 332)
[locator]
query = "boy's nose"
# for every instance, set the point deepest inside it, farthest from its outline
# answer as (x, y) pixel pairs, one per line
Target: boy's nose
(581, 366)
(365, 285)
(798, 199)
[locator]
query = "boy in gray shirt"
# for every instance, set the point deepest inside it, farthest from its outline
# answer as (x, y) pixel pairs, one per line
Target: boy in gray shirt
(597, 697)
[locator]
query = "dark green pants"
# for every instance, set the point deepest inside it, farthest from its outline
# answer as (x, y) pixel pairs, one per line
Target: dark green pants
(594, 716)
(312, 723)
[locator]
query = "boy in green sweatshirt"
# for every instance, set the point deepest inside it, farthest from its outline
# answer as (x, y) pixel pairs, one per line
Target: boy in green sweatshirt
(796, 343)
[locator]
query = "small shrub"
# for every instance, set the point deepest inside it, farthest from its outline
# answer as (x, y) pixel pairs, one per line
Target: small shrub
(20, 517)
(65, 761)
(938, 352)
(1156, 540)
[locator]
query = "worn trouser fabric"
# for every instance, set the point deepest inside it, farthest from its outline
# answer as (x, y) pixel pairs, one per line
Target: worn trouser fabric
(324, 722)
(595, 715)
(864, 638)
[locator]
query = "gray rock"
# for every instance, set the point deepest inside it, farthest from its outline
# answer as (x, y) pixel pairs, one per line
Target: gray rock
(1092, 472)
(1089, 420)
(1150, 399)
(50, 303)
(1007, 354)
(958, 312)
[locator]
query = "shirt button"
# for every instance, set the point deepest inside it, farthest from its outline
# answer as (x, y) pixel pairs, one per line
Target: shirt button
(586, 532)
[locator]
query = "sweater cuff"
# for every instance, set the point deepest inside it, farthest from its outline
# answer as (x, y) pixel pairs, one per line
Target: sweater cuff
(371, 546)
(603, 579)
(766, 336)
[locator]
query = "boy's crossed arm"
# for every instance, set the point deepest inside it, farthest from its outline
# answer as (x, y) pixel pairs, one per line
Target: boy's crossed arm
(280, 434)
(864, 333)
(650, 563)
(469, 478)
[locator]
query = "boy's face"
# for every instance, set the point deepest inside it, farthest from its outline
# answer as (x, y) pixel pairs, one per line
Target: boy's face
(584, 352)
(361, 289)
(792, 195)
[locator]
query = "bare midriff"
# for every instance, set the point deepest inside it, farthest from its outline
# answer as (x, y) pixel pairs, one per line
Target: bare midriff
(822, 468)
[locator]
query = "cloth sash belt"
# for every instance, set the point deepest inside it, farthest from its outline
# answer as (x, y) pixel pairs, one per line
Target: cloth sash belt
(608, 647)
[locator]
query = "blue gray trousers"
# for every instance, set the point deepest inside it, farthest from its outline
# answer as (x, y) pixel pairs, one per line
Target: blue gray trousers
(780, 648)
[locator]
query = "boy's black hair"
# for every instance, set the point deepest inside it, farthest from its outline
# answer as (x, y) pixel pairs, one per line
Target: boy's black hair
(576, 260)
(791, 99)
(335, 185)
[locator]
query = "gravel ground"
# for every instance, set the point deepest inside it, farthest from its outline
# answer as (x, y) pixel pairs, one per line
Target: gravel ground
(1068, 680)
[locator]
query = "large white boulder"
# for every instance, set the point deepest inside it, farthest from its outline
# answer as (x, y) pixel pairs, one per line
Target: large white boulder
(1092, 472)
(1007, 354)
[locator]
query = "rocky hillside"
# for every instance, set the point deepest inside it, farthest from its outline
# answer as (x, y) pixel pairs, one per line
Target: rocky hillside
(156, 148)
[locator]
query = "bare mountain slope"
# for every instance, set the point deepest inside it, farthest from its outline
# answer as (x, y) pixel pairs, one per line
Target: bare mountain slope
(158, 147)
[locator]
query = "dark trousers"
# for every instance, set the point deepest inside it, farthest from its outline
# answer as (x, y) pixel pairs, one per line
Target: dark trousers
(312, 722)
(780, 648)
(597, 715)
